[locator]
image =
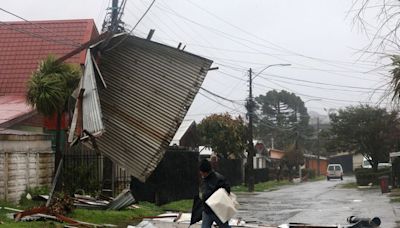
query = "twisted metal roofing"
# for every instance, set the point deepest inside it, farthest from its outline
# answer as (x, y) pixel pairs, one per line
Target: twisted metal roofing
(150, 87)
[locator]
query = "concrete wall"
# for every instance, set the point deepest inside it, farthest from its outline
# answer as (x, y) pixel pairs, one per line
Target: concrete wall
(26, 161)
(357, 161)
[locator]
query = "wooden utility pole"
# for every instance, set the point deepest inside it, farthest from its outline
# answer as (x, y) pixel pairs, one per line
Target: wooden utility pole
(250, 154)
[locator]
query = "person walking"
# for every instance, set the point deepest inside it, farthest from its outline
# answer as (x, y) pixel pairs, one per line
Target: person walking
(211, 181)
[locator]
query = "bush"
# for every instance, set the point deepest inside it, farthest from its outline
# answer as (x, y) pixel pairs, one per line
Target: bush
(366, 176)
(34, 192)
(309, 173)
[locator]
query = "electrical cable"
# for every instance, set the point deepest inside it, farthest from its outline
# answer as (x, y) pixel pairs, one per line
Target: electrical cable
(33, 34)
(141, 18)
(73, 43)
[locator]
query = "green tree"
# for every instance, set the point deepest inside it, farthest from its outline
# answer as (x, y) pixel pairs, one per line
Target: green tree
(224, 134)
(294, 157)
(281, 116)
(368, 130)
(49, 89)
(395, 82)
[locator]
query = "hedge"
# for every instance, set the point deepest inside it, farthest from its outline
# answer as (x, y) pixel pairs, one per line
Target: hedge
(366, 176)
(309, 173)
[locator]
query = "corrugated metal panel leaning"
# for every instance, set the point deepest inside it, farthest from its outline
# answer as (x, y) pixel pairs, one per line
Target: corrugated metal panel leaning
(150, 87)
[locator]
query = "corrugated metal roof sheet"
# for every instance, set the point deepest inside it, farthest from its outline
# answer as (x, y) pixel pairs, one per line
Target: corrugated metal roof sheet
(90, 110)
(150, 87)
(92, 117)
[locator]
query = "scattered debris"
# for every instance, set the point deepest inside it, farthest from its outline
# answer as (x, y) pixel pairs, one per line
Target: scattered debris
(28, 196)
(177, 220)
(123, 200)
(61, 204)
(44, 213)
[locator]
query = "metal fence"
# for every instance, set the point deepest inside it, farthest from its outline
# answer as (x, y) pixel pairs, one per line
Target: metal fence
(83, 171)
(175, 178)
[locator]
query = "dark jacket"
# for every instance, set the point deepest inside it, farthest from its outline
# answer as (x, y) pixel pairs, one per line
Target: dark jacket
(209, 185)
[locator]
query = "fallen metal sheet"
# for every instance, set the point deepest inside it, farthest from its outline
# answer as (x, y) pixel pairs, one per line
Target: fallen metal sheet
(91, 109)
(150, 88)
(178, 220)
(90, 103)
(124, 199)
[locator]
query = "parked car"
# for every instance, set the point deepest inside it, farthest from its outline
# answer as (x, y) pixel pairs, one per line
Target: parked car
(334, 171)
(381, 165)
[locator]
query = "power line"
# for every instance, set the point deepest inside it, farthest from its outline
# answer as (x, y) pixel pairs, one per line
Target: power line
(33, 34)
(323, 98)
(221, 97)
(277, 47)
(73, 43)
(230, 37)
(319, 83)
(302, 80)
(322, 88)
(141, 18)
(233, 109)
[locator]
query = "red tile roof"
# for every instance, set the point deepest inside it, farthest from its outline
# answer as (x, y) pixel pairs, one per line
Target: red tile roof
(24, 44)
(13, 108)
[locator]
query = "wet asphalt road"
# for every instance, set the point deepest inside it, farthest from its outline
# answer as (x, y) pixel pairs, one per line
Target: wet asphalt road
(321, 202)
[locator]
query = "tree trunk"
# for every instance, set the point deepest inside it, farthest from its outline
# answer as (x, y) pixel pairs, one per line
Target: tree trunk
(375, 166)
(58, 141)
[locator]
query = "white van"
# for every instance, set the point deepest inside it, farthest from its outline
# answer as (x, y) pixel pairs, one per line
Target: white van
(334, 171)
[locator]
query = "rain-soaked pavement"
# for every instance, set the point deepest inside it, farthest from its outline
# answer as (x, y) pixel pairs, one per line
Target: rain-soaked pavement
(321, 202)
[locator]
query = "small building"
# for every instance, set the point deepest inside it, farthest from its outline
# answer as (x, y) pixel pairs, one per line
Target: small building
(186, 135)
(276, 154)
(346, 160)
(260, 159)
(23, 45)
(311, 162)
(26, 157)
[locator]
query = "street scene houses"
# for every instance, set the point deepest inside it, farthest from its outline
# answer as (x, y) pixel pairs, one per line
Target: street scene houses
(106, 124)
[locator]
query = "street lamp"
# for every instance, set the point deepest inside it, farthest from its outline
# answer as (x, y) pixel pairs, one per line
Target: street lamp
(278, 64)
(250, 112)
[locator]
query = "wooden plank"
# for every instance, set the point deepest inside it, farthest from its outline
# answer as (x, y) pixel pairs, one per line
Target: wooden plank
(37, 168)
(53, 186)
(5, 176)
(27, 170)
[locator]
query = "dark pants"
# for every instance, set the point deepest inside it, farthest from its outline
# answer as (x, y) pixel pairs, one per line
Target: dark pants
(208, 219)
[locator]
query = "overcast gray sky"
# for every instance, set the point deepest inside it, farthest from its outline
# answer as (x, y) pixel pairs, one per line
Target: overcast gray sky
(317, 37)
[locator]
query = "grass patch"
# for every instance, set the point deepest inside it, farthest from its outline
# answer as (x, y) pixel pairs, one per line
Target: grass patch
(264, 186)
(395, 200)
(120, 218)
(395, 195)
(178, 206)
(349, 185)
(319, 178)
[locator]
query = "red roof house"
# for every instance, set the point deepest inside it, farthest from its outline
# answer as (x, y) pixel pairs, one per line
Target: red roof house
(23, 45)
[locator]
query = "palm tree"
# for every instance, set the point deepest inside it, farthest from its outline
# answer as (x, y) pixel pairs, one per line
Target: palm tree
(49, 89)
